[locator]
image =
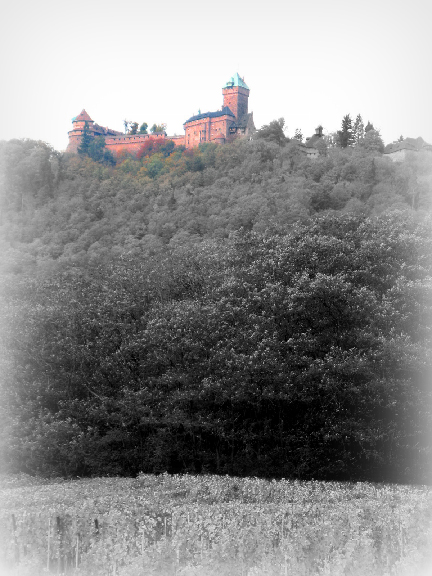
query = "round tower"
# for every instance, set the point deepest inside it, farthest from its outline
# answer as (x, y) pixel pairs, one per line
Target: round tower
(78, 125)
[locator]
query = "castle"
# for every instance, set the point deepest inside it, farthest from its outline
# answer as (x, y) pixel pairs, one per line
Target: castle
(405, 148)
(225, 125)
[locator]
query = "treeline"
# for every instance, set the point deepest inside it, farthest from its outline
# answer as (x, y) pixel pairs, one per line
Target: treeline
(301, 355)
(60, 210)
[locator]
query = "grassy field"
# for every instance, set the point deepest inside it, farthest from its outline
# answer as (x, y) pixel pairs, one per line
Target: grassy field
(207, 525)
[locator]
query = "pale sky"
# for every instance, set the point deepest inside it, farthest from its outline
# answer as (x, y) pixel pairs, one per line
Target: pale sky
(309, 61)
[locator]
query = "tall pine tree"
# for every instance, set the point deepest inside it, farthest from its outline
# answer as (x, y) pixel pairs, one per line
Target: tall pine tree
(359, 130)
(86, 140)
(345, 135)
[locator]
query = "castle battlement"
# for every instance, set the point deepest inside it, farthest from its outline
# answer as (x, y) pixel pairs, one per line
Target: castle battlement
(225, 125)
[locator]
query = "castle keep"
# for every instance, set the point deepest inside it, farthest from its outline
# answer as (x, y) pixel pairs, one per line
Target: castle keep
(232, 121)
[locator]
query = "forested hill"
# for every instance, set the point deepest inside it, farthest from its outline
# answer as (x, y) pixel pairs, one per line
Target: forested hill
(58, 210)
(237, 309)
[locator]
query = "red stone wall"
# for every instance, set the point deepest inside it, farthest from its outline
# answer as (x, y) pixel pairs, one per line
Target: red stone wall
(219, 127)
(178, 140)
(196, 132)
(129, 142)
(74, 142)
(115, 141)
(207, 130)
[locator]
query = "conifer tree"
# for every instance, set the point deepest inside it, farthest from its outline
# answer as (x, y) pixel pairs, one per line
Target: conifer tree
(345, 135)
(86, 140)
(96, 149)
(359, 130)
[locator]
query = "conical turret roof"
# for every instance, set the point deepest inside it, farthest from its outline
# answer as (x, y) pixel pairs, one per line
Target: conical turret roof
(82, 117)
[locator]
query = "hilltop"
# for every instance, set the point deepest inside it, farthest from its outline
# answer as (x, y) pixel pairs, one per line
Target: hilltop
(59, 210)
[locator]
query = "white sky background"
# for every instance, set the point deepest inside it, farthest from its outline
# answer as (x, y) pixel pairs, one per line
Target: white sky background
(309, 61)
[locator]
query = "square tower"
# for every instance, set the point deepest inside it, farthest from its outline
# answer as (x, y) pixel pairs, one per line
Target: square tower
(236, 94)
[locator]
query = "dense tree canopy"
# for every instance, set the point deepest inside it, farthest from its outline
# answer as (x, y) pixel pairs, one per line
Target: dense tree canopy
(303, 355)
(274, 132)
(64, 209)
(234, 309)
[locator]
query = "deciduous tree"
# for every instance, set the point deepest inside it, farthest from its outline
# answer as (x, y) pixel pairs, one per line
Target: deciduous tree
(372, 141)
(158, 128)
(273, 132)
(298, 135)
